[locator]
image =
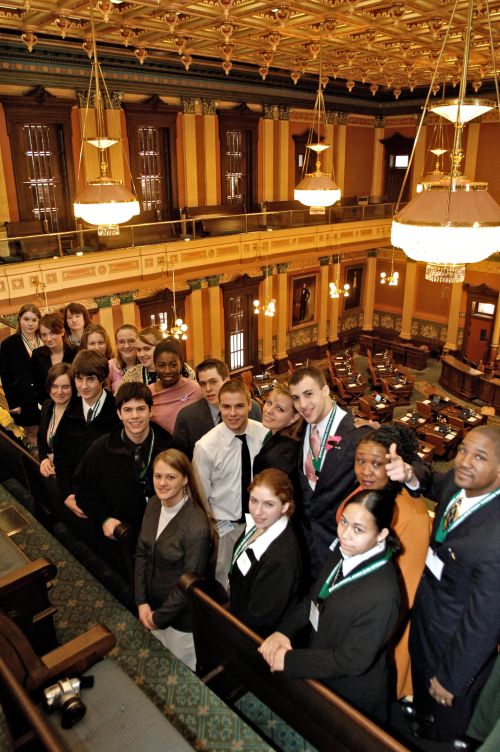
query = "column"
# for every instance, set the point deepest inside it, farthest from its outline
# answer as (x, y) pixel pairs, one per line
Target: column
(130, 315)
(453, 318)
(369, 292)
(419, 158)
(284, 150)
(495, 337)
(197, 339)
(267, 324)
(333, 334)
(281, 357)
(324, 271)
(268, 165)
(115, 129)
(377, 187)
(408, 299)
(341, 149)
(329, 155)
(105, 306)
(190, 161)
(90, 156)
(216, 323)
(210, 150)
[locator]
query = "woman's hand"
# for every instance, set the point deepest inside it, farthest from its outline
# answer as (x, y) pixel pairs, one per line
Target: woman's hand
(278, 663)
(270, 647)
(109, 525)
(70, 502)
(47, 468)
(15, 411)
(146, 616)
(440, 694)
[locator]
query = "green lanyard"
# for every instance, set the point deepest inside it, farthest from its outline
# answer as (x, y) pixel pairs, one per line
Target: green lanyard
(28, 344)
(241, 547)
(441, 533)
(318, 461)
(144, 470)
(330, 584)
(267, 437)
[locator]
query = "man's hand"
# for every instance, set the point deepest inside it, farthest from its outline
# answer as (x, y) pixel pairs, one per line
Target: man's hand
(272, 645)
(70, 502)
(47, 468)
(109, 525)
(146, 616)
(396, 468)
(440, 694)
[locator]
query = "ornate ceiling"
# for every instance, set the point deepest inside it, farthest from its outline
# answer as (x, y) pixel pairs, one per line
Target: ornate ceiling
(368, 48)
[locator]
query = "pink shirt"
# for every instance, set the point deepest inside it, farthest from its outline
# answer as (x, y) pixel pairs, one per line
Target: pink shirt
(169, 402)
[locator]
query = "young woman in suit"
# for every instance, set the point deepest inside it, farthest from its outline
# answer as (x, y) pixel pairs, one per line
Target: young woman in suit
(76, 319)
(55, 349)
(281, 445)
(60, 388)
(266, 569)
(351, 612)
(177, 536)
(15, 370)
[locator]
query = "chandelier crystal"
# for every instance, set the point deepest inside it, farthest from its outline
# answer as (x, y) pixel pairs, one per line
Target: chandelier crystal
(268, 308)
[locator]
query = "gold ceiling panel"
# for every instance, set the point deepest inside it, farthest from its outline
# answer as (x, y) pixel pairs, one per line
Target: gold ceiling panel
(377, 42)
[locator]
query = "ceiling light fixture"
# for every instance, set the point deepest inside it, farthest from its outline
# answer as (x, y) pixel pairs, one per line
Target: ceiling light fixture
(103, 202)
(452, 221)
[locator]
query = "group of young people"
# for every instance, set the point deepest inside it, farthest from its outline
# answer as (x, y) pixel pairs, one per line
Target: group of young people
(316, 526)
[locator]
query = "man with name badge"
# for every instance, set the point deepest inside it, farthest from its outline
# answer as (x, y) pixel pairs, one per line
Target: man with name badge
(455, 628)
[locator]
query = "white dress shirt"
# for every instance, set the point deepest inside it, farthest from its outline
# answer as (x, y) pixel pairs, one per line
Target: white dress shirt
(339, 415)
(217, 460)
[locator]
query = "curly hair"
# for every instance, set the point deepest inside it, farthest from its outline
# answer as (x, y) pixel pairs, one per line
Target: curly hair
(406, 446)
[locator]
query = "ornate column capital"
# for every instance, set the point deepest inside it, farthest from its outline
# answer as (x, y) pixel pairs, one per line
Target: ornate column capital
(214, 280)
(195, 284)
(104, 301)
(127, 297)
(283, 268)
(343, 117)
(268, 111)
(85, 98)
(209, 106)
(379, 121)
(268, 270)
(372, 253)
(188, 105)
(325, 260)
(114, 101)
(332, 117)
(283, 112)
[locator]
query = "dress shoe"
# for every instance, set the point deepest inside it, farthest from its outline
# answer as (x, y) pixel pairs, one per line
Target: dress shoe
(466, 744)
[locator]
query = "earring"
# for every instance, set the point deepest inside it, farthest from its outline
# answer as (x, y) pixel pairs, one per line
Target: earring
(379, 541)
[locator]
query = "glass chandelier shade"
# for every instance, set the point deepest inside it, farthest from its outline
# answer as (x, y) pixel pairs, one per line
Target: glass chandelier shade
(317, 189)
(106, 202)
(462, 112)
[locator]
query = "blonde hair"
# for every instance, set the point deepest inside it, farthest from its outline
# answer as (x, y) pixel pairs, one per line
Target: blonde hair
(97, 329)
(294, 431)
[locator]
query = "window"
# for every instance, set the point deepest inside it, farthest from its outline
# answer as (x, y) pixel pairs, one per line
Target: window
(237, 334)
(235, 168)
(240, 322)
(399, 161)
(150, 174)
(238, 130)
(39, 156)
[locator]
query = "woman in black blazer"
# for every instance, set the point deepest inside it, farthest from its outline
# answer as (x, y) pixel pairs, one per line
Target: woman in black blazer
(266, 569)
(281, 445)
(15, 370)
(56, 349)
(177, 536)
(352, 611)
(60, 387)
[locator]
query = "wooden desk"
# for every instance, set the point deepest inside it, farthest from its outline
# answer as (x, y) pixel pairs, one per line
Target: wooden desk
(489, 392)
(450, 439)
(425, 451)
(459, 379)
(411, 421)
(455, 411)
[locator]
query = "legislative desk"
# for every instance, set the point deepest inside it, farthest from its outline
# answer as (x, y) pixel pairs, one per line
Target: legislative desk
(459, 378)
(193, 709)
(489, 391)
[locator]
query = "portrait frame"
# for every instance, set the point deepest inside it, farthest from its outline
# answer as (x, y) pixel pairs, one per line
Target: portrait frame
(302, 308)
(354, 278)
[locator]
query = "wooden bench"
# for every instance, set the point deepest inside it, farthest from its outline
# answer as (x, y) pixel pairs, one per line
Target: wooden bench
(229, 663)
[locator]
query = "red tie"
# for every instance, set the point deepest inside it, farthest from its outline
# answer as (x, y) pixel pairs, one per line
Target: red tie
(315, 444)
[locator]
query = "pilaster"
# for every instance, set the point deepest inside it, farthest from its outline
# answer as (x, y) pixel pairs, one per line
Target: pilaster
(453, 318)
(324, 271)
(369, 291)
(190, 161)
(215, 307)
(105, 308)
(281, 357)
(197, 339)
(408, 299)
(130, 314)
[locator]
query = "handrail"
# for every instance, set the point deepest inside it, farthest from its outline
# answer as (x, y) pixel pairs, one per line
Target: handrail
(177, 229)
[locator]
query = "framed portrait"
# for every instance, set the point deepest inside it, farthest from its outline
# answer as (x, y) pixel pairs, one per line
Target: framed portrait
(354, 278)
(303, 297)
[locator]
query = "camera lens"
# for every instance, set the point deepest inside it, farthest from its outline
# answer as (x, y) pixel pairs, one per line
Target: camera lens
(72, 711)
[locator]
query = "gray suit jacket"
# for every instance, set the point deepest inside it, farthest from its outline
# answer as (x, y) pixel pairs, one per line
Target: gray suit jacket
(194, 421)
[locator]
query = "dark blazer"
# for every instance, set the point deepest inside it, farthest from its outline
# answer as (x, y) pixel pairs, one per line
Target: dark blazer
(261, 597)
(74, 436)
(106, 483)
(278, 451)
(17, 380)
(348, 653)
(183, 546)
(336, 480)
(41, 365)
(43, 427)
(455, 626)
(194, 421)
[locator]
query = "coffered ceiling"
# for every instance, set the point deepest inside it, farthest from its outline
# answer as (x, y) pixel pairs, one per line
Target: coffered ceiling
(367, 48)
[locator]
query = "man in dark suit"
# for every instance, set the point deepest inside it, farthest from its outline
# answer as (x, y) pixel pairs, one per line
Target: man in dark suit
(455, 625)
(194, 421)
(326, 460)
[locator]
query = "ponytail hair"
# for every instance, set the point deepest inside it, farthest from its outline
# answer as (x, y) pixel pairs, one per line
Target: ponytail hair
(381, 505)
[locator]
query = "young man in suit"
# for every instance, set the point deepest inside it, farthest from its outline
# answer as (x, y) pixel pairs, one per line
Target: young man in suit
(194, 421)
(113, 482)
(455, 627)
(326, 461)
(223, 459)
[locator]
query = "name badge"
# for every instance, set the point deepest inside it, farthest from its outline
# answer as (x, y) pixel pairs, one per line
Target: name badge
(434, 564)
(223, 527)
(244, 563)
(314, 616)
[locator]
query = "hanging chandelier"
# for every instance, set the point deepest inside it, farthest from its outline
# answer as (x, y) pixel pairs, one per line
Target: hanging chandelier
(317, 189)
(103, 202)
(269, 306)
(178, 329)
(453, 220)
(336, 290)
(391, 279)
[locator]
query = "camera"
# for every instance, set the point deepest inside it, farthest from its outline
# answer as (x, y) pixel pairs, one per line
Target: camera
(65, 696)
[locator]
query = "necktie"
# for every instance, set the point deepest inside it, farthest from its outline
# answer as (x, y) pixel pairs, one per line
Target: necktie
(246, 473)
(452, 514)
(315, 444)
(89, 415)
